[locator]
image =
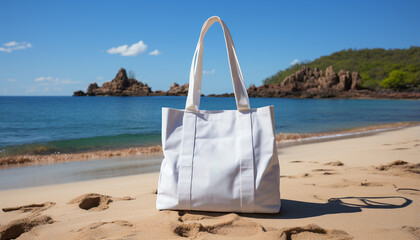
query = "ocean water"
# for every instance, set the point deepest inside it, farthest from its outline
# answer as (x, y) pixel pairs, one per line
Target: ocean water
(44, 125)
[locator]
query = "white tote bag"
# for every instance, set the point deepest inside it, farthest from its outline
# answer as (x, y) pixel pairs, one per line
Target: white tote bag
(224, 161)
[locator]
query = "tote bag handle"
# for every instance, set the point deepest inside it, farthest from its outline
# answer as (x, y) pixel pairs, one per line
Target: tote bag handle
(196, 72)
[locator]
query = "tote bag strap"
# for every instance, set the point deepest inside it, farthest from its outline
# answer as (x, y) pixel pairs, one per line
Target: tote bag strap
(196, 72)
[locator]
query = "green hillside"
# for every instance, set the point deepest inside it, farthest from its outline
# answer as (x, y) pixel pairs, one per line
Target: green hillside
(394, 68)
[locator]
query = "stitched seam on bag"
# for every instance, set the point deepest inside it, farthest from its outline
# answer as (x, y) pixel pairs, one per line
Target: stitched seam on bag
(253, 163)
(192, 161)
(240, 163)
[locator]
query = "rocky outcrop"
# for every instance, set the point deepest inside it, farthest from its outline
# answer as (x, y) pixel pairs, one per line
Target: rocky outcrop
(91, 89)
(174, 90)
(121, 85)
(177, 90)
(79, 93)
(306, 79)
(305, 83)
(308, 83)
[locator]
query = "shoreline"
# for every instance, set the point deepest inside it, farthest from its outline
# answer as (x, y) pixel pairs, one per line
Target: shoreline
(286, 139)
(282, 139)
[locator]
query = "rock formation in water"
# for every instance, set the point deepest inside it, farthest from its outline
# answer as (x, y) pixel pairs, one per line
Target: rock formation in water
(174, 90)
(177, 90)
(79, 93)
(121, 85)
(305, 83)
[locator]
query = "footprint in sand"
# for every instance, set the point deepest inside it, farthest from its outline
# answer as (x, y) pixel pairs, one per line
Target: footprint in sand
(336, 163)
(371, 184)
(195, 225)
(202, 226)
(34, 208)
(312, 232)
(325, 171)
(16, 228)
(415, 231)
(92, 201)
(118, 229)
(95, 201)
(391, 165)
(322, 170)
(376, 184)
(401, 167)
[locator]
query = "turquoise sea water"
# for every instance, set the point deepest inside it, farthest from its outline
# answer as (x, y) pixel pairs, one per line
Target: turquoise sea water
(43, 125)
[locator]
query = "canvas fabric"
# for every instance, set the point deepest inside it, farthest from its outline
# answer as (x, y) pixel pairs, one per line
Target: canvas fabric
(223, 161)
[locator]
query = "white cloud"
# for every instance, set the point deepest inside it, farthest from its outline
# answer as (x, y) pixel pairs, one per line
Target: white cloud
(49, 80)
(100, 78)
(155, 52)
(211, 72)
(11, 80)
(116, 50)
(2, 49)
(43, 79)
(294, 62)
(13, 45)
(125, 50)
(10, 44)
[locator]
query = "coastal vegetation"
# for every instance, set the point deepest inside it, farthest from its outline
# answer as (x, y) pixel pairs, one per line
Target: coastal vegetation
(396, 69)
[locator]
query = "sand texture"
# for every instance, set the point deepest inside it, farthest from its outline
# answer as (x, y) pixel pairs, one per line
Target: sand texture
(357, 188)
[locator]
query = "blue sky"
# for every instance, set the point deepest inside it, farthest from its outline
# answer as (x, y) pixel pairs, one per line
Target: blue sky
(57, 47)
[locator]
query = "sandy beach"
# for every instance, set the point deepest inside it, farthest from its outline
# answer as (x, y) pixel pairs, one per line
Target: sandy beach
(365, 187)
